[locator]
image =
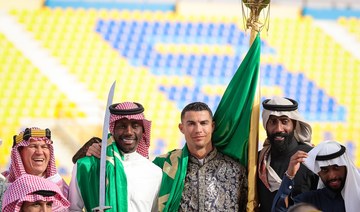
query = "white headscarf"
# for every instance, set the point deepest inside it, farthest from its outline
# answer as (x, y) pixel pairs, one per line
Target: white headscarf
(351, 191)
(302, 131)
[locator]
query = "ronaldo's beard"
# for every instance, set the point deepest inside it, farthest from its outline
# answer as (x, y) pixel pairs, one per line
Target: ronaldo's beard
(280, 146)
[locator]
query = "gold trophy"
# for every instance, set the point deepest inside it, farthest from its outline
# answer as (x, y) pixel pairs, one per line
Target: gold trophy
(252, 21)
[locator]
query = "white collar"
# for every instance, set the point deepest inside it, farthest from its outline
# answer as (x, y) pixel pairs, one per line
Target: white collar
(131, 156)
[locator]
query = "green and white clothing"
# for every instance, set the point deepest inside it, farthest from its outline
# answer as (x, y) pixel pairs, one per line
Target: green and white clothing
(133, 182)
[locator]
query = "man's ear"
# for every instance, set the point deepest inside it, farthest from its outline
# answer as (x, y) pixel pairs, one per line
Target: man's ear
(181, 126)
(213, 126)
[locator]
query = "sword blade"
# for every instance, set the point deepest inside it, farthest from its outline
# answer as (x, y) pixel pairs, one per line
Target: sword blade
(102, 206)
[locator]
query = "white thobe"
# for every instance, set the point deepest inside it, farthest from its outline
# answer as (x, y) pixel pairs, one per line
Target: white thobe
(143, 184)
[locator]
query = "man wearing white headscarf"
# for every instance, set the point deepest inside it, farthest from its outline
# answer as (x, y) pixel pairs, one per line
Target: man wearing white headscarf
(132, 181)
(338, 188)
(287, 132)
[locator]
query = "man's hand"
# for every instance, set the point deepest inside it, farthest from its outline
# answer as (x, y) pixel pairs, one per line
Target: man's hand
(83, 151)
(94, 150)
(295, 161)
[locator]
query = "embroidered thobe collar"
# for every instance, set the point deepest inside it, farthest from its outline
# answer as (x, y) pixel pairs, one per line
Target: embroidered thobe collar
(211, 155)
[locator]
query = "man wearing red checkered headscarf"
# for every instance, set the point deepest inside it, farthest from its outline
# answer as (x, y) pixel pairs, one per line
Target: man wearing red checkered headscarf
(132, 181)
(29, 190)
(144, 143)
(94, 143)
(33, 153)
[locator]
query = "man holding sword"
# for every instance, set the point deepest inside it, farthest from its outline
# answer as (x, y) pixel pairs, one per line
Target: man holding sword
(132, 181)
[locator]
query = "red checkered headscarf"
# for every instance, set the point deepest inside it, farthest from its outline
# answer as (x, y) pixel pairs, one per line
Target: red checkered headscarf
(22, 190)
(16, 165)
(132, 110)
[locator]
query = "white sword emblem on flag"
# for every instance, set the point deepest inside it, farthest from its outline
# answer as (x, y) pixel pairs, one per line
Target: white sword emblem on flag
(102, 206)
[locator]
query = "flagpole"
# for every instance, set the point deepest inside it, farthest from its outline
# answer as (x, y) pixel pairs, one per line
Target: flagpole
(253, 23)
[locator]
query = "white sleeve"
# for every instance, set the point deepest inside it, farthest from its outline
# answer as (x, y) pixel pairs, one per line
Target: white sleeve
(155, 207)
(76, 201)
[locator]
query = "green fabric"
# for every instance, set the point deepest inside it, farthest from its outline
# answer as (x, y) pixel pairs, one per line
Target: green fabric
(88, 175)
(174, 166)
(232, 116)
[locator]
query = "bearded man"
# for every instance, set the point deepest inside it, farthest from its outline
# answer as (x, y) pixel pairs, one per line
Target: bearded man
(287, 132)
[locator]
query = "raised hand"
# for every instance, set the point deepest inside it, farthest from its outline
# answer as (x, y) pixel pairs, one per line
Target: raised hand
(295, 161)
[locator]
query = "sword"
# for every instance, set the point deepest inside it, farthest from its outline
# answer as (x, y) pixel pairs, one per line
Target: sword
(102, 206)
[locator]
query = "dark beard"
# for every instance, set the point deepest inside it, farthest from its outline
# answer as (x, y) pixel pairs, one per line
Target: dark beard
(282, 146)
(336, 190)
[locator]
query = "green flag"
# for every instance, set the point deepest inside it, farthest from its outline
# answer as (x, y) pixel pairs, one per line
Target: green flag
(232, 116)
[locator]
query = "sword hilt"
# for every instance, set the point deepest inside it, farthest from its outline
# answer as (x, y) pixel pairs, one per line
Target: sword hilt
(101, 208)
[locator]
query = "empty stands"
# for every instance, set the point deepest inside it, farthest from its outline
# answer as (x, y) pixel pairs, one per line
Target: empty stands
(165, 60)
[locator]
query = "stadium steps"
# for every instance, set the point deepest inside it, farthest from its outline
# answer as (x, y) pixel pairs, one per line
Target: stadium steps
(168, 55)
(352, 25)
(49, 66)
(93, 62)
